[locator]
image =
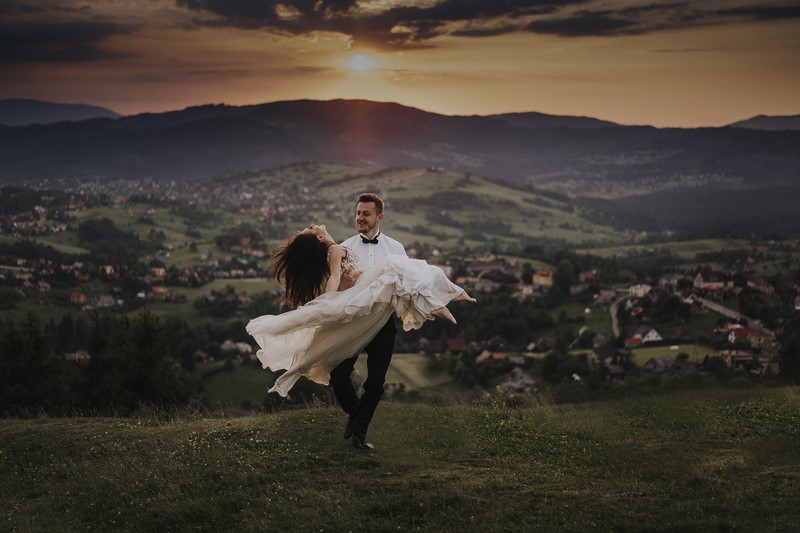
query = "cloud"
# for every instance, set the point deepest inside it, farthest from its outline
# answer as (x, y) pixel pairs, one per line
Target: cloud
(762, 12)
(15, 8)
(587, 23)
(486, 31)
(635, 20)
(400, 25)
(76, 31)
(69, 41)
(396, 26)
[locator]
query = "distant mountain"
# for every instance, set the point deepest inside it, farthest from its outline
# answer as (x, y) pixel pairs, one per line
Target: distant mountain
(774, 123)
(721, 179)
(215, 140)
(21, 112)
(539, 120)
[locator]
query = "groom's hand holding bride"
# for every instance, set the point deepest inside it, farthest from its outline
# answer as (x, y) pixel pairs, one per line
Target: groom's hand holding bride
(349, 278)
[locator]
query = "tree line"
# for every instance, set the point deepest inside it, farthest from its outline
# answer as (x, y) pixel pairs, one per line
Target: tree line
(138, 360)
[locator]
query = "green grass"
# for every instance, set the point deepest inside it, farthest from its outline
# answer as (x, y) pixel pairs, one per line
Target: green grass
(231, 389)
(684, 249)
(64, 243)
(782, 256)
(249, 287)
(714, 460)
(414, 185)
(696, 352)
(597, 320)
(535, 264)
(411, 369)
(526, 213)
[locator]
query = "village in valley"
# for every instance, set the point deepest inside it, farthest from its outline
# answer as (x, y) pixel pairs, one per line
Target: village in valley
(197, 248)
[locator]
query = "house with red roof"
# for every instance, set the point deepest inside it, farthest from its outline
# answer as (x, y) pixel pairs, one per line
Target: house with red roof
(543, 278)
(486, 355)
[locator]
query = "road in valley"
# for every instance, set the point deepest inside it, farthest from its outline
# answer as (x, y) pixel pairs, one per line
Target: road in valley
(614, 321)
(708, 304)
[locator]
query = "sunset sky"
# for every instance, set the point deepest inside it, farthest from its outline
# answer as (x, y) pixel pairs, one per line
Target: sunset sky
(671, 63)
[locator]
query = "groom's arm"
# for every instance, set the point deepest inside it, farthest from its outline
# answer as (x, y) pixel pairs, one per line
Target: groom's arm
(349, 278)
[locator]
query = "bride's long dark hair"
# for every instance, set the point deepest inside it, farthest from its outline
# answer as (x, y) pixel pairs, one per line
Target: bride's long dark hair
(301, 266)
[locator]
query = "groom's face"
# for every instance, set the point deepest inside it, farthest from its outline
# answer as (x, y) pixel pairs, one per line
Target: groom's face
(367, 218)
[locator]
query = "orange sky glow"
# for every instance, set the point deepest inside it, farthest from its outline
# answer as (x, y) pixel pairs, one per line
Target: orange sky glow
(631, 62)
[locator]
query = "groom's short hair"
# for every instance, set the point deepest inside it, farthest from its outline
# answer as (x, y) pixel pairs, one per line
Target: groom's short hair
(374, 198)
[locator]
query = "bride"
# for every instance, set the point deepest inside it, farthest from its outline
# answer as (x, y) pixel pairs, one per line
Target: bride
(337, 310)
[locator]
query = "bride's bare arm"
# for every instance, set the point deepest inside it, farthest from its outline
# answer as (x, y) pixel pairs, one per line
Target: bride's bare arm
(335, 265)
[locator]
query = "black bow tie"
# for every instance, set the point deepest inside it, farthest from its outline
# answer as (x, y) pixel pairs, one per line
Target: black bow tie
(369, 241)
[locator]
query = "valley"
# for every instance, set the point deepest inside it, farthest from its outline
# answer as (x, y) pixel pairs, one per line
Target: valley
(540, 265)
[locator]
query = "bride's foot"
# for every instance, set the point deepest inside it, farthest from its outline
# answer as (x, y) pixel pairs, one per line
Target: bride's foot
(444, 313)
(465, 297)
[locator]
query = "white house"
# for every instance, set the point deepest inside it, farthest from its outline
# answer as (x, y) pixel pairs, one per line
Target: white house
(647, 334)
(639, 291)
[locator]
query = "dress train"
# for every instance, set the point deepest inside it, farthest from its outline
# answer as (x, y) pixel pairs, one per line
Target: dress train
(314, 338)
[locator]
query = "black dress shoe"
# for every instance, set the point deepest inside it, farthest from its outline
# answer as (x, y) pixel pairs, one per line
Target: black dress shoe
(348, 430)
(360, 443)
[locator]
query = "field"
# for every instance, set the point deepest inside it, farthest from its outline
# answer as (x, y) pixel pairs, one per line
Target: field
(684, 249)
(471, 207)
(711, 460)
(227, 390)
(696, 353)
(597, 319)
(698, 253)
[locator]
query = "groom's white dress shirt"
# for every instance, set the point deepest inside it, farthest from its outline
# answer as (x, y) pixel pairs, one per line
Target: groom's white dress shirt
(374, 254)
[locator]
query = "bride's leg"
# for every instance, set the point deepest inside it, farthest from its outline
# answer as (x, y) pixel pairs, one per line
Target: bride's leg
(444, 313)
(465, 297)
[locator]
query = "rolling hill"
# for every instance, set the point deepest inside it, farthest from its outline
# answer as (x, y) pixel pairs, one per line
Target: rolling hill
(520, 148)
(630, 176)
(716, 460)
(21, 112)
(770, 123)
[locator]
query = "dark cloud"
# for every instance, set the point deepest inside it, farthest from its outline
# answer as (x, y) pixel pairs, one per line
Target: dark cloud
(649, 18)
(56, 41)
(486, 32)
(63, 31)
(762, 12)
(24, 7)
(587, 23)
(632, 20)
(404, 26)
(395, 27)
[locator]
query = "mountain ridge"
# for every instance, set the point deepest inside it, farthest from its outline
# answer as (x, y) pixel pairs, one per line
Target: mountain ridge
(769, 123)
(569, 154)
(25, 111)
(534, 119)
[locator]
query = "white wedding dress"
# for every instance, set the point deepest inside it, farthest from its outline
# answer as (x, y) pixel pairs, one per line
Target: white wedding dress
(314, 338)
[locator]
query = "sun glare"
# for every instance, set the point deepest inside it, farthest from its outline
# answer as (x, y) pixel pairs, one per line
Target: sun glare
(361, 62)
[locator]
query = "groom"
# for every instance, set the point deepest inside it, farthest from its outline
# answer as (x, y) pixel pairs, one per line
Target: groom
(372, 248)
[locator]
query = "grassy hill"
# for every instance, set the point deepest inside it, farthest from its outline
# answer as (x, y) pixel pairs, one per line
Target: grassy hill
(443, 207)
(693, 461)
(249, 383)
(445, 210)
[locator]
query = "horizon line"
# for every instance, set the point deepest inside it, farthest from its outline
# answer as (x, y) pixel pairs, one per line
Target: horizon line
(225, 104)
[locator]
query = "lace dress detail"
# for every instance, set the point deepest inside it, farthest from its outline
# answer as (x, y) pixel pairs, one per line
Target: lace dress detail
(349, 261)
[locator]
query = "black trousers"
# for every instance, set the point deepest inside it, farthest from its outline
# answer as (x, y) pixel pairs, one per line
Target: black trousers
(379, 355)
